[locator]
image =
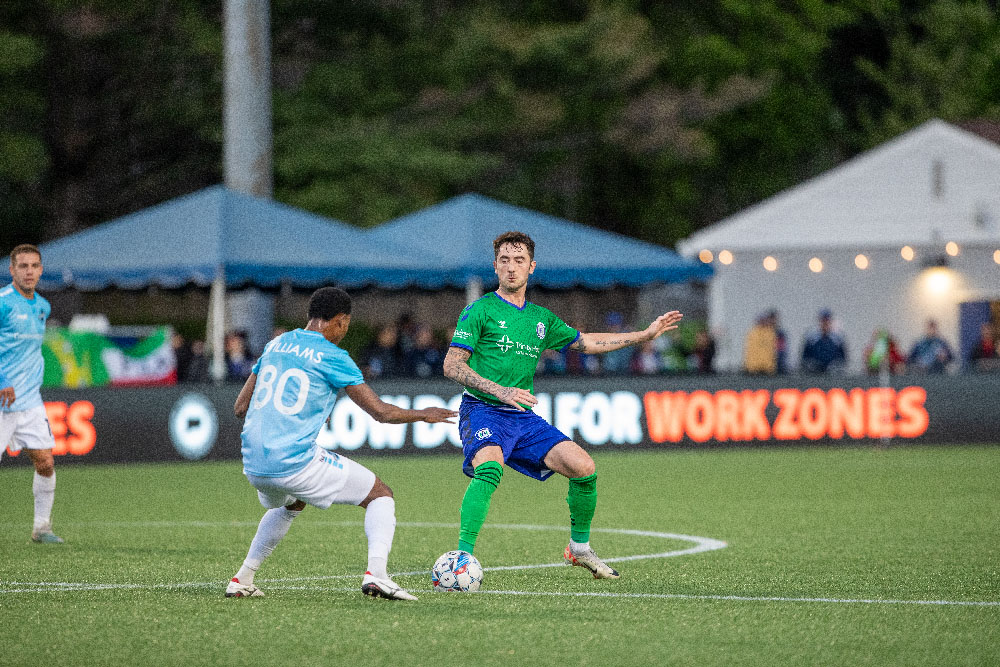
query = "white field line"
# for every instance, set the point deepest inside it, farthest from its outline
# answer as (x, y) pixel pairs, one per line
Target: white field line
(702, 544)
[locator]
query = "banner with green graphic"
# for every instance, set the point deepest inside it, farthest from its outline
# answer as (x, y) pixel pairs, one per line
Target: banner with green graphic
(86, 359)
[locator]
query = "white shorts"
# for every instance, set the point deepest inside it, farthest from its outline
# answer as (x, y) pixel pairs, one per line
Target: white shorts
(25, 429)
(326, 480)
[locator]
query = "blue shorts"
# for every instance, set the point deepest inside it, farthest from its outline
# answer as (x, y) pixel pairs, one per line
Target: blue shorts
(524, 437)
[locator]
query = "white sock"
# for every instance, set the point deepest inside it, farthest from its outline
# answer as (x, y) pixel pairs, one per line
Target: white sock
(44, 490)
(273, 527)
(577, 547)
(380, 525)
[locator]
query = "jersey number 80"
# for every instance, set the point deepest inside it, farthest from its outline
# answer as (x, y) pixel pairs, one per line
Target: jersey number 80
(267, 390)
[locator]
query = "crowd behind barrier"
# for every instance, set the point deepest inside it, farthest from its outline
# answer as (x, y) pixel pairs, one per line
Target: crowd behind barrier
(411, 349)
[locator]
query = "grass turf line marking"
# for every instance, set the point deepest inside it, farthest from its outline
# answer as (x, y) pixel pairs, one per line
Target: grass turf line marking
(702, 544)
(43, 587)
(682, 596)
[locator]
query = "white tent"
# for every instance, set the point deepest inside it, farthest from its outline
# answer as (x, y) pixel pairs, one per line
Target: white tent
(934, 190)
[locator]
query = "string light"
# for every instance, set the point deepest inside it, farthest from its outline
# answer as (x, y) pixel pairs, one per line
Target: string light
(705, 256)
(725, 257)
(771, 264)
(907, 253)
(951, 248)
(815, 265)
(861, 261)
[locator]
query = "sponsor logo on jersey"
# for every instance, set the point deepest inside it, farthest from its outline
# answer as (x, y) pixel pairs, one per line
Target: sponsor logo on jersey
(483, 433)
(505, 343)
(540, 330)
(502, 323)
(21, 316)
(462, 335)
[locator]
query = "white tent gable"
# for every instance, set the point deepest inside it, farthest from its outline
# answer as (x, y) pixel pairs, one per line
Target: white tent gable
(934, 184)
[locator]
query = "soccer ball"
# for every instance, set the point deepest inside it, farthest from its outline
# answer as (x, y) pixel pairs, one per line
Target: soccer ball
(457, 572)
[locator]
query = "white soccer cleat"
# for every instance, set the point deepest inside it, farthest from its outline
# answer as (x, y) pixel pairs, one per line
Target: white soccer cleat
(588, 559)
(383, 588)
(237, 590)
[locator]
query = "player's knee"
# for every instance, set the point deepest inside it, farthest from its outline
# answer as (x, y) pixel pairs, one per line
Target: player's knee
(380, 490)
(45, 468)
(584, 466)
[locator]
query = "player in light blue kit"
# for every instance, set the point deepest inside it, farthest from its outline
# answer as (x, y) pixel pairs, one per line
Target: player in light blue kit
(286, 399)
(23, 423)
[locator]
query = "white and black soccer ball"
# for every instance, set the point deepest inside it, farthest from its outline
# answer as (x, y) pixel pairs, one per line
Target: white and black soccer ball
(457, 572)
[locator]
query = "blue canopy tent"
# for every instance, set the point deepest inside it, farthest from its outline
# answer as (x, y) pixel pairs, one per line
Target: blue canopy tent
(223, 238)
(567, 253)
(218, 233)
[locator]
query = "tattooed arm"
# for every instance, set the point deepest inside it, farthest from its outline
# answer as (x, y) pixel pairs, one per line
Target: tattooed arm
(596, 343)
(456, 367)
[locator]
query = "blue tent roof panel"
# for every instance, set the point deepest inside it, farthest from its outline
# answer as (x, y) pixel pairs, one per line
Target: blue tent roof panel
(254, 241)
(567, 253)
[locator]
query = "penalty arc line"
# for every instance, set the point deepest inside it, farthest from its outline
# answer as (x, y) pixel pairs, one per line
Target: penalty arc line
(702, 544)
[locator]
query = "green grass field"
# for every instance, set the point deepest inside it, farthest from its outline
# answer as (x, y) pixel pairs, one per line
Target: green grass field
(833, 557)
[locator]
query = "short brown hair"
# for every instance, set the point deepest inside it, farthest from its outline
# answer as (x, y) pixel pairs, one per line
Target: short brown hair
(514, 237)
(21, 249)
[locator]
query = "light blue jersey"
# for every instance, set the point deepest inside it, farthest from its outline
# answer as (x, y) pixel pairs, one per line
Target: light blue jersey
(298, 377)
(22, 328)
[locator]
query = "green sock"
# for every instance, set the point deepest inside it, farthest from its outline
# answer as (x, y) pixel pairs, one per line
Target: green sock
(582, 500)
(476, 503)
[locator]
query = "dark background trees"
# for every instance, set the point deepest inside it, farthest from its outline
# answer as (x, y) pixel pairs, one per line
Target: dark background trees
(648, 118)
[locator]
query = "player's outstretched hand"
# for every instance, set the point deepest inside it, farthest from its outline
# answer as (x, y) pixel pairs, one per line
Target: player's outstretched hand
(7, 397)
(437, 415)
(515, 397)
(663, 323)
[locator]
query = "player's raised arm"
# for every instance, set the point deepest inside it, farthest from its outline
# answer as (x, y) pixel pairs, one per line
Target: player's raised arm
(387, 413)
(243, 400)
(456, 367)
(596, 343)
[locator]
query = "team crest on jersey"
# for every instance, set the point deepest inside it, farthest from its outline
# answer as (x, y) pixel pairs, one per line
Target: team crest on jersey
(540, 330)
(483, 433)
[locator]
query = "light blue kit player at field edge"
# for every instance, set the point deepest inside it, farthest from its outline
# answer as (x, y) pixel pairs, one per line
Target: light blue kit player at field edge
(286, 399)
(23, 422)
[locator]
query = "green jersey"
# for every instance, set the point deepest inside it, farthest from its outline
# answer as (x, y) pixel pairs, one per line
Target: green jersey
(506, 341)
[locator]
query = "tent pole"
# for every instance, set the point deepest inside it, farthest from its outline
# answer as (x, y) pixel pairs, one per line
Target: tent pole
(217, 325)
(473, 289)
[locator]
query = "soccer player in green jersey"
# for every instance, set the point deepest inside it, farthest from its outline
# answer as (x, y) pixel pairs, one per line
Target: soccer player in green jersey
(493, 354)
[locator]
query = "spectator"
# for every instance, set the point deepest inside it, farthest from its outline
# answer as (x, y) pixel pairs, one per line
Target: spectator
(406, 335)
(824, 350)
(381, 358)
(780, 343)
(552, 362)
(702, 353)
(883, 353)
(930, 354)
(182, 355)
(985, 355)
(760, 351)
(617, 361)
(426, 358)
(239, 363)
(646, 360)
(198, 365)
